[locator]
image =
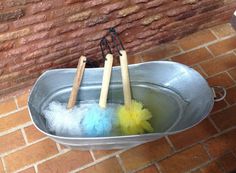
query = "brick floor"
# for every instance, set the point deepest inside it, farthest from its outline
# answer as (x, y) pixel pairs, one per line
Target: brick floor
(209, 147)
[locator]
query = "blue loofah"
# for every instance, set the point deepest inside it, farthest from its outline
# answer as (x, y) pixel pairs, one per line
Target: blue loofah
(98, 121)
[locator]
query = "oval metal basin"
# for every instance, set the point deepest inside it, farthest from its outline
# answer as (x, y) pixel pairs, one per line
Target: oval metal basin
(178, 97)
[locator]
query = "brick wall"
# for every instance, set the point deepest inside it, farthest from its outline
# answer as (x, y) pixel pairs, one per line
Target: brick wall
(36, 35)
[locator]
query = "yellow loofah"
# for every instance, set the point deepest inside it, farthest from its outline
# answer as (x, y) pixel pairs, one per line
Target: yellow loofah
(134, 120)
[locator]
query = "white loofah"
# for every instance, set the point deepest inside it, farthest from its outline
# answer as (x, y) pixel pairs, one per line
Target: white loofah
(64, 122)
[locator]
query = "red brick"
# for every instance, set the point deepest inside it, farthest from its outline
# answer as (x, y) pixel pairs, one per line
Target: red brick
(223, 30)
(222, 144)
(221, 79)
(96, 20)
(101, 153)
(228, 162)
(29, 170)
(153, 4)
(219, 105)
(30, 154)
(193, 57)
(34, 37)
(40, 7)
(18, 51)
(107, 166)
(178, 10)
(6, 45)
(160, 52)
(14, 120)
(90, 4)
(134, 59)
(43, 26)
(66, 44)
(185, 160)
(52, 56)
(231, 95)
(150, 169)
(15, 3)
(40, 67)
(160, 23)
(96, 36)
(15, 88)
(219, 64)
(223, 46)
(226, 118)
(67, 10)
(11, 141)
(33, 134)
(233, 73)
(3, 27)
(112, 7)
(22, 99)
(7, 106)
(213, 167)
(47, 43)
(139, 1)
(22, 65)
(11, 15)
(36, 54)
(128, 11)
(80, 16)
(151, 19)
(201, 131)
(29, 21)
(196, 39)
(141, 155)
(71, 160)
(14, 34)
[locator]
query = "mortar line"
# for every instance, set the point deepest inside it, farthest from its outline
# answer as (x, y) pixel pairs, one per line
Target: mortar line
(213, 56)
(58, 147)
(231, 76)
(158, 167)
(92, 154)
(17, 106)
(213, 32)
(217, 57)
(170, 143)
(99, 160)
(12, 112)
(24, 168)
(200, 166)
(180, 48)
(205, 148)
(198, 142)
(221, 110)
(143, 167)
(36, 169)
(213, 123)
(15, 128)
(22, 147)
(24, 136)
(120, 161)
(208, 44)
(203, 71)
(39, 162)
(211, 42)
(4, 164)
(234, 154)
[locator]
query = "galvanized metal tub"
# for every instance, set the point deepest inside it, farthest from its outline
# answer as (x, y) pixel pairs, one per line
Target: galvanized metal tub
(178, 97)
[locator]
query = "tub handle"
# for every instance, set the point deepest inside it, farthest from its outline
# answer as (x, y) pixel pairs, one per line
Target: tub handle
(219, 93)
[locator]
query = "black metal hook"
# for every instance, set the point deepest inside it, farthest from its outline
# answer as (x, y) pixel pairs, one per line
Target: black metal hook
(104, 45)
(116, 40)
